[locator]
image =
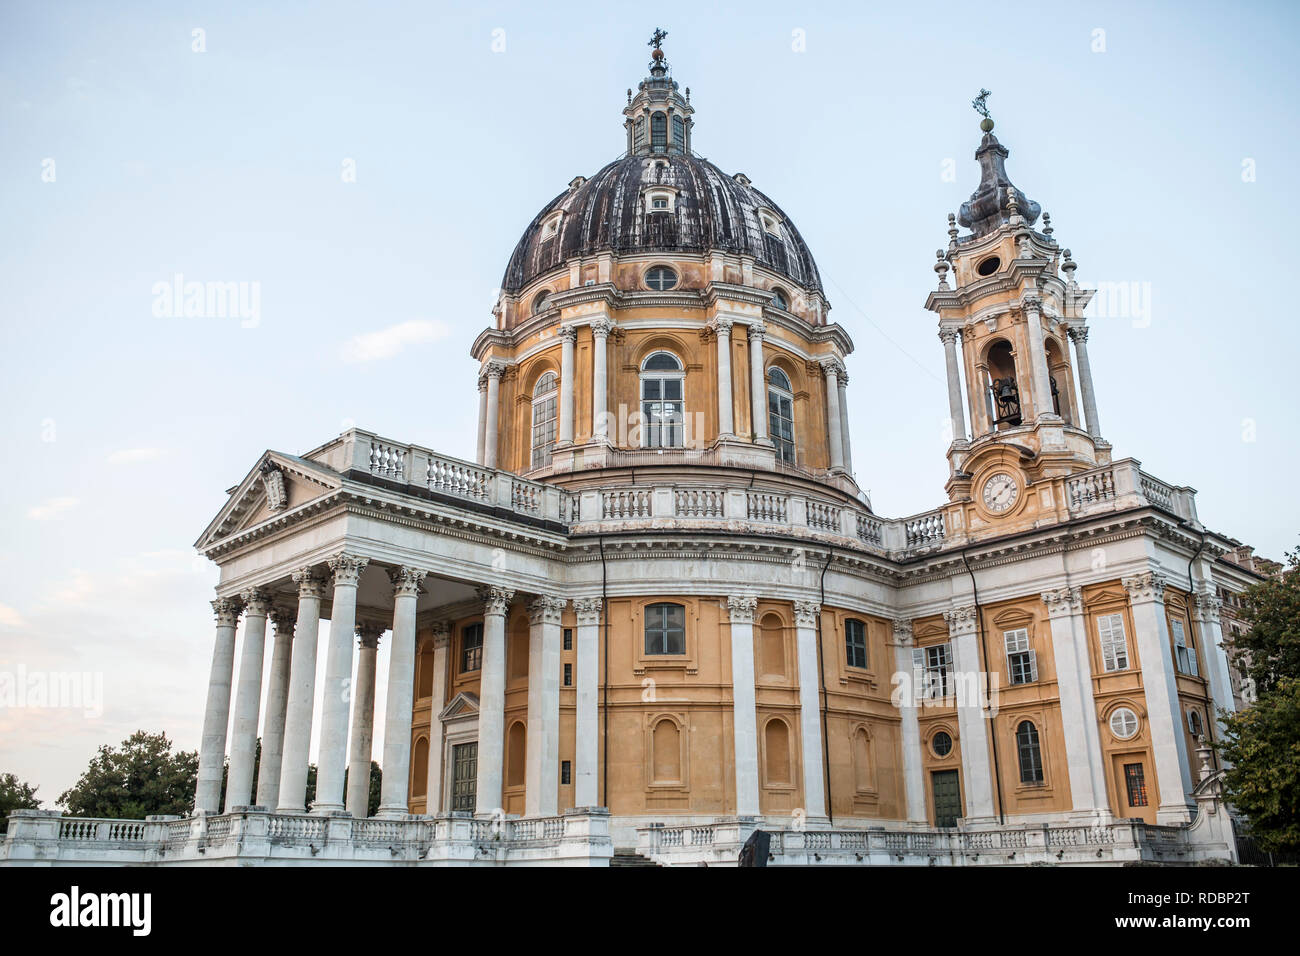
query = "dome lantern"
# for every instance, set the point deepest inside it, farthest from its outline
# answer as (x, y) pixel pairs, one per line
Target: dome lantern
(657, 118)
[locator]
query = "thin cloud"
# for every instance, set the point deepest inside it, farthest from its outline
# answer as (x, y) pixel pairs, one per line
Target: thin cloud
(52, 508)
(388, 342)
(131, 456)
(9, 617)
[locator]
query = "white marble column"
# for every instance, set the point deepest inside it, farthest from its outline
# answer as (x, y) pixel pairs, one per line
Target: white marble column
(956, 408)
(1079, 336)
(721, 326)
(568, 335)
(361, 750)
(481, 457)
(971, 723)
(333, 757)
(277, 702)
(248, 700)
(302, 693)
(396, 787)
(600, 329)
(492, 425)
(1159, 681)
(745, 715)
(492, 699)
(1213, 657)
(586, 782)
(842, 381)
(810, 724)
(542, 770)
(216, 714)
(758, 383)
(1070, 656)
(831, 369)
(910, 726)
(441, 646)
(1032, 305)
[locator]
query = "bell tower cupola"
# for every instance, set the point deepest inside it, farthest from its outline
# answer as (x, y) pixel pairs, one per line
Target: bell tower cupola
(657, 117)
(1009, 312)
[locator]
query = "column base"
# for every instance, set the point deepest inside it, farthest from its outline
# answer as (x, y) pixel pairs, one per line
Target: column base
(391, 813)
(328, 810)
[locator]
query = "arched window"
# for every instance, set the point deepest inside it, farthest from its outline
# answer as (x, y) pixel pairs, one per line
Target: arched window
(679, 133)
(663, 412)
(420, 768)
(516, 755)
(540, 300)
(638, 136)
(1194, 723)
(855, 642)
(779, 301)
(1031, 757)
(780, 413)
(776, 748)
(771, 647)
(665, 629)
(660, 278)
(1003, 388)
(658, 132)
(544, 419)
(666, 762)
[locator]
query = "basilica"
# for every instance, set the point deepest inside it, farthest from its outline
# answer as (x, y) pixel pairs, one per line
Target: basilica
(657, 614)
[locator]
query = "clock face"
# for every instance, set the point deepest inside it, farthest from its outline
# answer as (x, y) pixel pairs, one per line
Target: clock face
(1000, 492)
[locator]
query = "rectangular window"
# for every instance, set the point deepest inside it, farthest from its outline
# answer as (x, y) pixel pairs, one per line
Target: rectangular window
(931, 667)
(855, 642)
(566, 773)
(1022, 662)
(464, 776)
(545, 423)
(1114, 644)
(1136, 784)
(471, 648)
(568, 675)
(1184, 656)
(665, 629)
(568, 638)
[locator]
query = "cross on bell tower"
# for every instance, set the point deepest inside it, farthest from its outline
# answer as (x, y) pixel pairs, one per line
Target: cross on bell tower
(1007, 318)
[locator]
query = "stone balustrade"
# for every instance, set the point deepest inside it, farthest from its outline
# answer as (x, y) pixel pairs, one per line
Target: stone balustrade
(719, 844)
(252, 835)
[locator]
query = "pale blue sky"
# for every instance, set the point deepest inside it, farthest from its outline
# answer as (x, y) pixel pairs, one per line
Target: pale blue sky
(226, 166)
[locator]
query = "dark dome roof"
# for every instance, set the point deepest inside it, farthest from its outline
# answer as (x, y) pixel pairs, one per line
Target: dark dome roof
(712, 211)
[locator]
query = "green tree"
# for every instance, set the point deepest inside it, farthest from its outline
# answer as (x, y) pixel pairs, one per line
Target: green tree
(1271, 648)
(142, 777)
(15, 795)
(1262, 743)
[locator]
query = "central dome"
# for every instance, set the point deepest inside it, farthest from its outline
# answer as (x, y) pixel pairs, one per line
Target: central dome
(665, 202)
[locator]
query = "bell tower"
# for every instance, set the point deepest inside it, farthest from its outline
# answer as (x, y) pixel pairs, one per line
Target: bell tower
(1007, 319)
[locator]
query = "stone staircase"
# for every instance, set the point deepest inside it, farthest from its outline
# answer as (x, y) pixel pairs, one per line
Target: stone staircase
(628, 857)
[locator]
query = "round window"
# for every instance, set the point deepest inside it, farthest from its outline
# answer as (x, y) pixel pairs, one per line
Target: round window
(1123, 723)
(941, 743)
(988, 266)
(660, 278)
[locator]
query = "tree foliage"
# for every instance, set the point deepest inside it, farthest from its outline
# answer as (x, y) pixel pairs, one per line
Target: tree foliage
(141, 777)
(1262, 743)
(15, 795)
(1270, 650)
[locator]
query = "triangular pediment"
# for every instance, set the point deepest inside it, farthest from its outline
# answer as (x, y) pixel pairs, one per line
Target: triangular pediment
(464, 704)
(277, 485)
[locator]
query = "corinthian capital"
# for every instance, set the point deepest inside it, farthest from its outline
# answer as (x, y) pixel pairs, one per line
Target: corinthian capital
(587, 610)
(368, 633)
(227, 611)
(494, 369)
(1147, 586)
(742, 609)
(1077, 333)
(1031, 303)
(756, 331)
(1208, 606)
(257, 601)
(960, 620)
(406, 581)
(310, 583)
(832, 366)
(601, 326)
(545, 609)
(568, 334)
(1063, 601)
(496, 600)
(721, 323)
(441, 631)
(284, 617)
(347, 568)
(805, 613)
(949, 335)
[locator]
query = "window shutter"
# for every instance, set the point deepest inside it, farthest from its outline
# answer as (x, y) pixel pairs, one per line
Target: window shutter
(918, 674)
(1033, 665)
(1191, 660)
